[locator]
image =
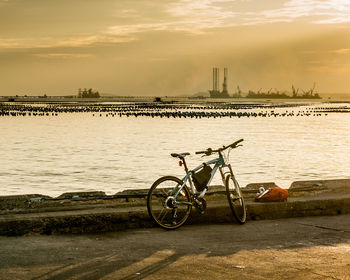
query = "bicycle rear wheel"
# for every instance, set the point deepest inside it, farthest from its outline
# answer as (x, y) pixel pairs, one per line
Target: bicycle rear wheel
(166, 210)
(235, 199)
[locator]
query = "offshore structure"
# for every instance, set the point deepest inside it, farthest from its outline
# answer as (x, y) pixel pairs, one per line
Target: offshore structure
(215, 92)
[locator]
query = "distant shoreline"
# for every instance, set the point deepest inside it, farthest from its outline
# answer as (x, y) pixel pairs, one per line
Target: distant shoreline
(71, 99)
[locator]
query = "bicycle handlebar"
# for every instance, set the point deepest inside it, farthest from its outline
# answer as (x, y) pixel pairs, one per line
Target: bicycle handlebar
(209, 151)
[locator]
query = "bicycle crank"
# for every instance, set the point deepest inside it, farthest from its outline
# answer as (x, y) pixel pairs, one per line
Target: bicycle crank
(200, 204)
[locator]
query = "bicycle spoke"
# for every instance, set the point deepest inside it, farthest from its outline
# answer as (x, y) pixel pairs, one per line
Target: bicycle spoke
(166, 209)
(166, 213)
(174, 212)
(183, 203)
(165, 193)
(235, 199)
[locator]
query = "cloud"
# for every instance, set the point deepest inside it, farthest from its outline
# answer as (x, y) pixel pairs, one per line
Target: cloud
(63, 55)
(126, 30)
(331, 69)
(340, 51)
(316, 11)
(205, 13)
(200, 16)
(192, 17)
(53, 42)
(324, 52)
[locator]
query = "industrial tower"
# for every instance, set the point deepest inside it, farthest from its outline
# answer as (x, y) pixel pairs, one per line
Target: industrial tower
(215, 92)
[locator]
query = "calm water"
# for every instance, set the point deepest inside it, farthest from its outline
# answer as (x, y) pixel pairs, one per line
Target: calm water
(81, 152)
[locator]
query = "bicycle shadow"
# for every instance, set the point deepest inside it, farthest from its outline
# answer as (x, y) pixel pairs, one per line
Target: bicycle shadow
(143, 264)
(97, 269)
(137, 254)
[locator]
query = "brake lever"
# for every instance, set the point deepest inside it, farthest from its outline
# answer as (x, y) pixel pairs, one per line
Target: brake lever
(236, 146)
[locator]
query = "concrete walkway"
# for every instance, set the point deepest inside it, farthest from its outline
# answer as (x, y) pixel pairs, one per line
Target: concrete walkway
(298, 248)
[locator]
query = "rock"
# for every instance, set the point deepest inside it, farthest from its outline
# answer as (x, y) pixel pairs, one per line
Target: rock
(256, 186)
(77, 195)
(320, 186)
(20, 201)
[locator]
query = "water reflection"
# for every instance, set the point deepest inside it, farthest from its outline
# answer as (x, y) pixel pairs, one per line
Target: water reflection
(80, 151)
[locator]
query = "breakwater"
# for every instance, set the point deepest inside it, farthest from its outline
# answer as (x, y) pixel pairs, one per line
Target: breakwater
(92, 212)
(161, 110)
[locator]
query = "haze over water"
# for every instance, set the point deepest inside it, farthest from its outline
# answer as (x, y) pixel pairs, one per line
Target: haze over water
(157, 47)
(81, 152)
(168, 48)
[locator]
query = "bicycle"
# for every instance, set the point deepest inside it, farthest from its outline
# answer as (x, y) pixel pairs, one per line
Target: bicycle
(170, 201)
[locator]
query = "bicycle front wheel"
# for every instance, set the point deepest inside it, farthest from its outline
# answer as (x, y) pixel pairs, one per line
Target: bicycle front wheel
(235, 199)
(167, 209)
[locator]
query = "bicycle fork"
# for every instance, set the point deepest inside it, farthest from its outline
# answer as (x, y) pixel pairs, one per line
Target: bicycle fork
(223, 172)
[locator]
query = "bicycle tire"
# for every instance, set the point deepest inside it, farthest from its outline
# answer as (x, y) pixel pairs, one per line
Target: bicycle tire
(159, 203)
(235, 199)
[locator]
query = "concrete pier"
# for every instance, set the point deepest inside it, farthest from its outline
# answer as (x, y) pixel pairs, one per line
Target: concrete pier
(95, 212)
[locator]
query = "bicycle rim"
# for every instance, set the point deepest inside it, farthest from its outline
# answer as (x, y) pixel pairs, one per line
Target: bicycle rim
(164, 208)
(236, 200)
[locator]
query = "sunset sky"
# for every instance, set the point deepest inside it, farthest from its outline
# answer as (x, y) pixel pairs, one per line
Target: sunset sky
(168, 47)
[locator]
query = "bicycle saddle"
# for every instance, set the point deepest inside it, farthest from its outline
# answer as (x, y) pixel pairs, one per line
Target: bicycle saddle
(182, 155)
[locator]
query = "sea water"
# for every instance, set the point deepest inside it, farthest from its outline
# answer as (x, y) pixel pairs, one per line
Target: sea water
(70, 152)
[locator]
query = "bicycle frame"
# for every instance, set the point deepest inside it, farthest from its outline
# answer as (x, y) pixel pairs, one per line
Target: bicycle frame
(170, 199)
(219, 163)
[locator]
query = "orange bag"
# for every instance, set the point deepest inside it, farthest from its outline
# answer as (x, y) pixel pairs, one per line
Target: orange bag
(273, 194)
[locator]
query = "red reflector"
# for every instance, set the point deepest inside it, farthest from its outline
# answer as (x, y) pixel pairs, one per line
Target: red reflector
(180, 163)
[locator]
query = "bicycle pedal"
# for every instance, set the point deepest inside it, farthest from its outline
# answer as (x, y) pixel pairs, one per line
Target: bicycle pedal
(201, 211)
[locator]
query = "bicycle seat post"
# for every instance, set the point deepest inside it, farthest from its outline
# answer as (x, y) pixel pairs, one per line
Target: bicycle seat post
(184, 163)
